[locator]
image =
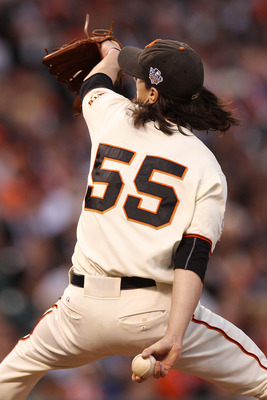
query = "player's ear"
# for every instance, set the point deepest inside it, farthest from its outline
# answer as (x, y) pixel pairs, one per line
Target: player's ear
(153, 95)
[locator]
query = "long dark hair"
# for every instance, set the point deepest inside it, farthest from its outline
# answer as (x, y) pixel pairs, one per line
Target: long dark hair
(205, 113)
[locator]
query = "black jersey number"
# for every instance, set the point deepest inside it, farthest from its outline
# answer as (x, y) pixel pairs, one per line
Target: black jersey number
(111, 178)
(144, 183)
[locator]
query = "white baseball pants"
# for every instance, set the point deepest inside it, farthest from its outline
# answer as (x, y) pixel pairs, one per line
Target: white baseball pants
(101, 320)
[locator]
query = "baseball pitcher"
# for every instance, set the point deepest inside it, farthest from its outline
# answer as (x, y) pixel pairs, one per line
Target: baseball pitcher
(151, 217)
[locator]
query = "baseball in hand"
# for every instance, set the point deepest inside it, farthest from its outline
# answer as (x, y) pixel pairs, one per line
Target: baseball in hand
(143, 367)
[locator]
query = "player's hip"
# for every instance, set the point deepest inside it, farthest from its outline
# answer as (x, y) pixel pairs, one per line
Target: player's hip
(116, 315)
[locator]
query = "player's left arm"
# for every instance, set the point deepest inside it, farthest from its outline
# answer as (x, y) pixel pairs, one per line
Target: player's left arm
(190, 263)
(187, 289)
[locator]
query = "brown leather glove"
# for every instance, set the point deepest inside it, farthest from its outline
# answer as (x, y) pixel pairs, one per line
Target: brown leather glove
(72, 62)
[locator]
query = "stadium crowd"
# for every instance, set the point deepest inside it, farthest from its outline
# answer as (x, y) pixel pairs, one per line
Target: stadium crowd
(44, 159)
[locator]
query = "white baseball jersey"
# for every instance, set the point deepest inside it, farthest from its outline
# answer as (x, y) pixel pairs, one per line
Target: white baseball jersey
(137, 206)
(139, 203)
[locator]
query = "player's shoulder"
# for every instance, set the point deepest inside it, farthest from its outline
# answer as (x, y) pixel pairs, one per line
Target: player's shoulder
(197, 152)
(106, 95)
(194, 141)
(104, 104)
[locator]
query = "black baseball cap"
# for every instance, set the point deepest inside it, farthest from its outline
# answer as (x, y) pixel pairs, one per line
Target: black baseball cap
(173, 67)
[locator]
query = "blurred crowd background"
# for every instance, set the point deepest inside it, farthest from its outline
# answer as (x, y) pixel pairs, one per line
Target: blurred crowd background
(44, 159)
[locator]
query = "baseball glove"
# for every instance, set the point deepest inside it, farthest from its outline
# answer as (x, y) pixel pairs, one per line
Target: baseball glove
(72, 62)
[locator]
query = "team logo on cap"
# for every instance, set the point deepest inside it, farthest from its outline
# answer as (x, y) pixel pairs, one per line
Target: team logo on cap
(155, 76)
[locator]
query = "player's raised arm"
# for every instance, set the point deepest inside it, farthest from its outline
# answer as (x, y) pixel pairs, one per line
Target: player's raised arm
(72, 63)
(109, 64)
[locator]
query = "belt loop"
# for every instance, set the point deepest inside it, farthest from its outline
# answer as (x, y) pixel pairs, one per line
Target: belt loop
(102, 286)
(164, 287)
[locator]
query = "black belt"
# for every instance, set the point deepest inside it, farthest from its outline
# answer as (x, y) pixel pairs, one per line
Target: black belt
(127, 282)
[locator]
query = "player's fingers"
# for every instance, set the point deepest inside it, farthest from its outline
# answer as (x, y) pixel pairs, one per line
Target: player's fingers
(157, 370)
(160, 371)
(151, 350)
(164, 372)
(137, 379)
(158, 349)
(148, 352)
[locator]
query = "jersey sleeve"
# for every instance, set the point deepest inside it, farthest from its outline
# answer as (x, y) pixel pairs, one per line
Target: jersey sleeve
(96, 81)
(198, 242)
(208, 217)
(101, 105)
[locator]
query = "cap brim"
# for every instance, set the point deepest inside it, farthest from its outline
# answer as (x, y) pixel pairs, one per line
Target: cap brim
(128, 61)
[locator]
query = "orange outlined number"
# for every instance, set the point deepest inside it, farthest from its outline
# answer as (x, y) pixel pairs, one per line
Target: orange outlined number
(166, 195)
(112, 178)
(144, 183)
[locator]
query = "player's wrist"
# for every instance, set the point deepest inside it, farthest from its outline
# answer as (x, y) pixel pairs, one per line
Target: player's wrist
(109, 45)
(174, 337)
(112, 49)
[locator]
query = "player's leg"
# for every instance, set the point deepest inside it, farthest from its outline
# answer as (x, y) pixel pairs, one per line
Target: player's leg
(18, 377)
(27, 362)
(56, 342)
(219, 352)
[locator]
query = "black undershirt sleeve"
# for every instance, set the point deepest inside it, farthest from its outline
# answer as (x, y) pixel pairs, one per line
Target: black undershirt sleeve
(193, 253)
(95, 81)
